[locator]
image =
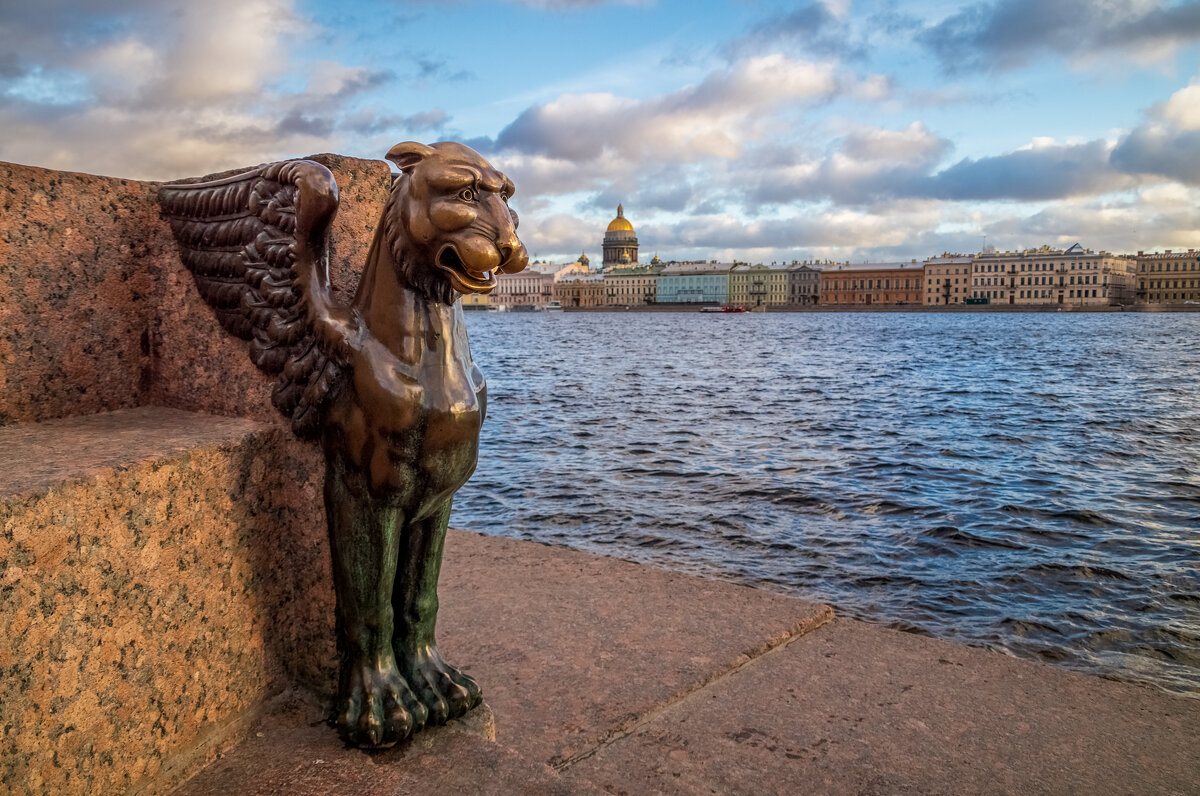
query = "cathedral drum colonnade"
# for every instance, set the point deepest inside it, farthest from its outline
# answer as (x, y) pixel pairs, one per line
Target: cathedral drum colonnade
(620, 241)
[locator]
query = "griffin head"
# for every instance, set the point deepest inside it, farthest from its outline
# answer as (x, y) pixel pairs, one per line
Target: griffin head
(448, 225)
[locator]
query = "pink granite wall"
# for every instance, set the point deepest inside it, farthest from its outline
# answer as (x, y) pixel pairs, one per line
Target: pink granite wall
(81, 265)
(97, 312)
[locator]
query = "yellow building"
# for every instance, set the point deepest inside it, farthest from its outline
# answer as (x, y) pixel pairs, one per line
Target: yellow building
(632, 287)
(757, 285)
(580, 291)
(947, 279)
(1168, 277)
(1072, 277)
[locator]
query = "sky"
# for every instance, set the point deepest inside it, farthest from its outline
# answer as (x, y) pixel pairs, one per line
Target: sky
(751, 130)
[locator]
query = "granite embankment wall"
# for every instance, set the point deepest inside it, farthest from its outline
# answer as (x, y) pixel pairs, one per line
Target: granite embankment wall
(162, 571)
(97, 313)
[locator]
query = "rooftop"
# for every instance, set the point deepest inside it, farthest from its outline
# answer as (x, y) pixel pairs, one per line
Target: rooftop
(696, 268)
(909, 266)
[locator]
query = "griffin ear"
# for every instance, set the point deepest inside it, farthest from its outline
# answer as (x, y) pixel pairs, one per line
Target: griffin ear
(408, 154)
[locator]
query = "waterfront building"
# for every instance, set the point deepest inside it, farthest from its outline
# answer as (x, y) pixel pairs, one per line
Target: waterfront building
(620, 242)
(872, 283)
(694, 283)
(632, 287)
(580, 291)
(530, 287)
(948, 279)
(757, 285)
(1074, 276)
(560, 271)
(475, 301)
(804, 283)
(1168, 277)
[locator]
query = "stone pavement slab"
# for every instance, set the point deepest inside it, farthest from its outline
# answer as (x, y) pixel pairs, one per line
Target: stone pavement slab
(856, 708)
(571, 648)
(294, 752)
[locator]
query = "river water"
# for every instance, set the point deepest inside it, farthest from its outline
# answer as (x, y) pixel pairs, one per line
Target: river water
(1024, 482)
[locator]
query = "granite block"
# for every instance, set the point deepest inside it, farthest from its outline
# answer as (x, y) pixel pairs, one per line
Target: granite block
(162, 573)
(98, 313)
(81, 265)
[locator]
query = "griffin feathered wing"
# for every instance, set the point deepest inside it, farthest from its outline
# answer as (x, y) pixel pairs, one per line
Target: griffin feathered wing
(256, 244)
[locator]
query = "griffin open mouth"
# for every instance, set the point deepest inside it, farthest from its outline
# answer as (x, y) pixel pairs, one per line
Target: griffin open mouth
(463, 278)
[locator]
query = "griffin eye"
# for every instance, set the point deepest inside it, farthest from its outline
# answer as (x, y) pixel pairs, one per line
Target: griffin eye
(504, 196)
(466, 194)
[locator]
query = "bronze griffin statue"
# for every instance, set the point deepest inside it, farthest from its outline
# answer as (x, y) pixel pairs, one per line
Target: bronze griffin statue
(387, 385)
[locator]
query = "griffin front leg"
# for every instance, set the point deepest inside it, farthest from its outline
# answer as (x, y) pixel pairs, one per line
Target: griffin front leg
(376, 707)
(444, 690)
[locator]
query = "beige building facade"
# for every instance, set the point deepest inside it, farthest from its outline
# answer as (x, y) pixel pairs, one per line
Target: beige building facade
(947, 279)
(1067, 277)
(757, 285)
(631, 287)
(580, 291)
(1168, 277)
(525, 288)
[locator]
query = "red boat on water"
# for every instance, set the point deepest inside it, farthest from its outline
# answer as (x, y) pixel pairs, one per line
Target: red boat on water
(723, 308)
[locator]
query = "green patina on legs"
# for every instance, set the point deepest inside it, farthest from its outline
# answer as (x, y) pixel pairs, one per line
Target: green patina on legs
(393, 679)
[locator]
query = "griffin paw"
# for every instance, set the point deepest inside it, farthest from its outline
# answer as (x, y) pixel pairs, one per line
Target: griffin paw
(443, 689)
(376, 708)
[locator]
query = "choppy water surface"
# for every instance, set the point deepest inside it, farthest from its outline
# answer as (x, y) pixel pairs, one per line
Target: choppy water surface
(1030, 483)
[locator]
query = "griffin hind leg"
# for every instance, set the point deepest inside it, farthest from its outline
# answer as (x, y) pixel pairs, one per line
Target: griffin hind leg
(376, 707)
(442, 688)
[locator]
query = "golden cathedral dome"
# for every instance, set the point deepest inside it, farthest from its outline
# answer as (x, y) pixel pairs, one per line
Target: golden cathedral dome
(620, 223)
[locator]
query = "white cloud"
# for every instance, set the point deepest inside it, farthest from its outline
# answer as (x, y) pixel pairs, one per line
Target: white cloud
(225, 49)
(916, 142)
(1161, 216)
(1183, 108)
(714, 119)
(177, 88)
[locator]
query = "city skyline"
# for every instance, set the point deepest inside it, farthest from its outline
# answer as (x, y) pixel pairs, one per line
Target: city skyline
(754, 131)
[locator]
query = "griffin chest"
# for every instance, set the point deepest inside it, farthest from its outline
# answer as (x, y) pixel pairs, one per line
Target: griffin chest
(410, 416)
